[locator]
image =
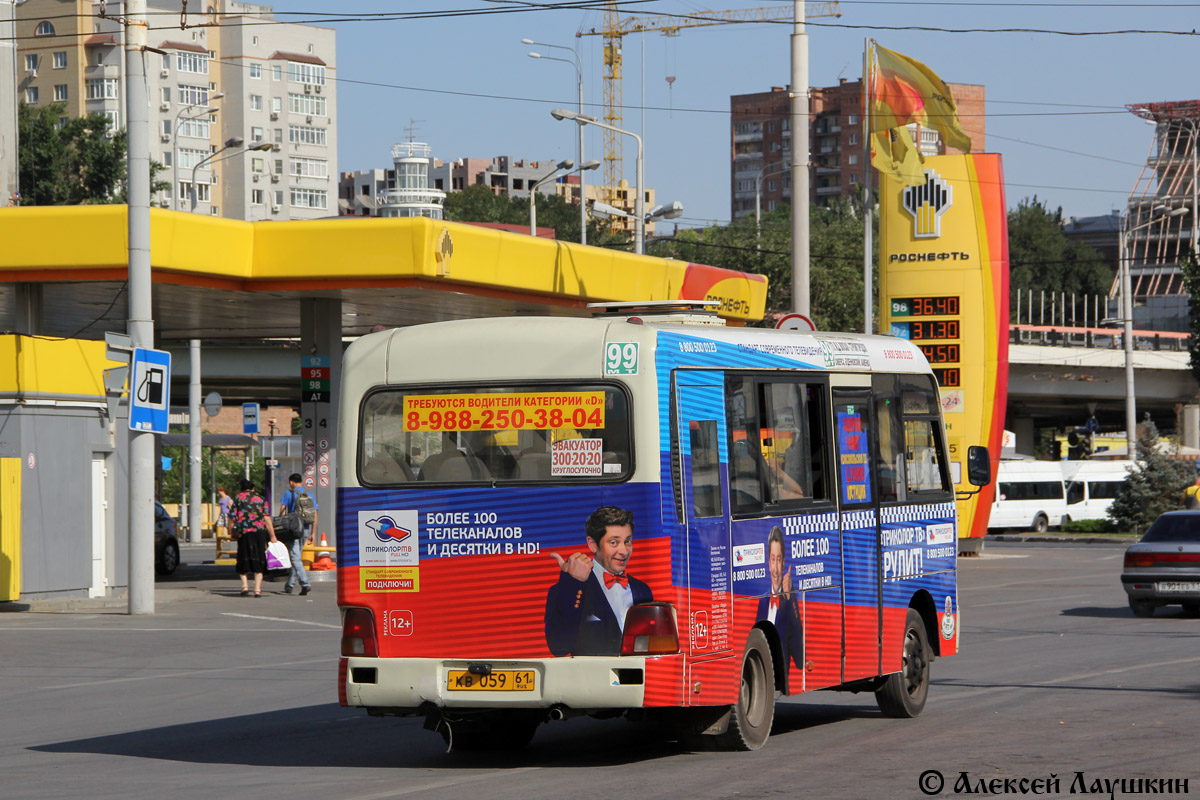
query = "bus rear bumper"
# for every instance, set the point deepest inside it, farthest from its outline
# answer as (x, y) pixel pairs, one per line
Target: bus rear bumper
(410, 684)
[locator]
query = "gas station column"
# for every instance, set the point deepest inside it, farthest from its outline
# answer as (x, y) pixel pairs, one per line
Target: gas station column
(1026, 433)
(321, 372)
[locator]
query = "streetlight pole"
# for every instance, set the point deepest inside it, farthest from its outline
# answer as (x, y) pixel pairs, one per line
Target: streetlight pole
(579, 75)
(209, 109)
(1127, 313)
(236, 141)
(565, 164)
(639, 210)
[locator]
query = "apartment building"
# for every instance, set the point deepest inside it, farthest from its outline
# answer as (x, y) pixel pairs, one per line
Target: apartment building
(761, 153)
(215, 82)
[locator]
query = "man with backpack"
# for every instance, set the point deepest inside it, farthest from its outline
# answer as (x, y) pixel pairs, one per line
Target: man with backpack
(298, 501)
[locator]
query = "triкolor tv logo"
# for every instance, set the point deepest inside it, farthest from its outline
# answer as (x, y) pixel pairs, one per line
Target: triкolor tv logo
(926, 203)
(388, 538)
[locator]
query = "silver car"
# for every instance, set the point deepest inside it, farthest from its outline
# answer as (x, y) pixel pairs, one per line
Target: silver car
(1163, 568)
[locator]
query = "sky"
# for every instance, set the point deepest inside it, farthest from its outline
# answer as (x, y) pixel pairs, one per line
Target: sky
(465, 84)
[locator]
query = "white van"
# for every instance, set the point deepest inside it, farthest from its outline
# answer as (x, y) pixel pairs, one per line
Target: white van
(1092, 485)
(1029, 495)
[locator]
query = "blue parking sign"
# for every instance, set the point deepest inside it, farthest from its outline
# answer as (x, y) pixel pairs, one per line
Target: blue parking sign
(150, 390)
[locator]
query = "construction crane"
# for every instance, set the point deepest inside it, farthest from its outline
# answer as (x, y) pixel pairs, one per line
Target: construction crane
(616, 26)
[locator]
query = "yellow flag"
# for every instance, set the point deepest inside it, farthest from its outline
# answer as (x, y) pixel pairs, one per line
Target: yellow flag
(893, 153)
(904, 90)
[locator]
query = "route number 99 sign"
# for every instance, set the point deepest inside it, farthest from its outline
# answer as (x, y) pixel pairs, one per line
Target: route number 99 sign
(621, 358)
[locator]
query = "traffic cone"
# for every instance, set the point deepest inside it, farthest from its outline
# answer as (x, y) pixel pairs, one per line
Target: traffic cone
(324, 541)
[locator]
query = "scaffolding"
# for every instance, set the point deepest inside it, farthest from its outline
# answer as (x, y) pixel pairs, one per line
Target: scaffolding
(1159, 234)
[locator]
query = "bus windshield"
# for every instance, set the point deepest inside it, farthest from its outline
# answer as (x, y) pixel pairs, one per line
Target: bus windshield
(568, 432)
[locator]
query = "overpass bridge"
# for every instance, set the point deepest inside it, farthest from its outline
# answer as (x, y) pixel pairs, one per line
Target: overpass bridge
(1055, 372)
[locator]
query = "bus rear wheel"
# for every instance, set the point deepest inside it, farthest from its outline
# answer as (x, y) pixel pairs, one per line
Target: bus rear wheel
(904, 693)
(751, 716)
(498, 730)
(1040, 524)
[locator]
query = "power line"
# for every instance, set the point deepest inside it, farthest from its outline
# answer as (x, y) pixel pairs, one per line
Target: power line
(1046, 31)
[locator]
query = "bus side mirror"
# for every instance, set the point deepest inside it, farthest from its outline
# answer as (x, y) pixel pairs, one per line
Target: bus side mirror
(979, 466)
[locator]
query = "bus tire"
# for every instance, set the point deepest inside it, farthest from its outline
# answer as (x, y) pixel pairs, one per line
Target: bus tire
(904, 693)
(751, 716)
(495, 731)
(1041, 523)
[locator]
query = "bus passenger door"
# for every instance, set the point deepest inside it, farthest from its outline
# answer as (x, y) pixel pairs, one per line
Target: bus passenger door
(861, 608)
(701, 481)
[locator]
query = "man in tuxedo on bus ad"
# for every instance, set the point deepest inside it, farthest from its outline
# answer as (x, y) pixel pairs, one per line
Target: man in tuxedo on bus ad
(586, 607)
(782, 607)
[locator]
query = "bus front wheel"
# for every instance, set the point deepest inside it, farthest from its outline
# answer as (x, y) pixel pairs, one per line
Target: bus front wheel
(903, 693)
(751, 716)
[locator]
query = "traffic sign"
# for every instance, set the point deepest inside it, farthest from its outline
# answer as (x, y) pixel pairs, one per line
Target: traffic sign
(212, 404)
(249, 417)
(795, 322)
(150, 390)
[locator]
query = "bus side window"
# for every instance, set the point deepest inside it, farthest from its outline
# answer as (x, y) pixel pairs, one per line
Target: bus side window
(1074, 493)
(920, 403)
(892, 481)
(745, 483)
(705, 476)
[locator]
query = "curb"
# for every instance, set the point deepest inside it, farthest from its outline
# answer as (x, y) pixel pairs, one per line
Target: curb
(1122, 541)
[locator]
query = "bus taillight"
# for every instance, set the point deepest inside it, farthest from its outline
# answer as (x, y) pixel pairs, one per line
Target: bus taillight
(358, 633)
(650, 630)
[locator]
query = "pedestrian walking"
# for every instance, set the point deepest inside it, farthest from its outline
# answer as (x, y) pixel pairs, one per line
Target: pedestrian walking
(250, 525)
(297, 500)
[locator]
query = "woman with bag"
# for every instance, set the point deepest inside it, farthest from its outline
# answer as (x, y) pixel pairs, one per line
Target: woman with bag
(250, 524)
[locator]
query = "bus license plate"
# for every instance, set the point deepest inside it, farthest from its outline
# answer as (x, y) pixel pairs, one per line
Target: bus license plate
(1178, 586)
(502, 680)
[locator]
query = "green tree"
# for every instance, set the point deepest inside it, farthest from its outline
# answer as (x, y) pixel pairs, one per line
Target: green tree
(1154, 488)
(1042, 258)
(479, 203)
(73, 163)
(230, 468)
(835, 258)
(68, 164)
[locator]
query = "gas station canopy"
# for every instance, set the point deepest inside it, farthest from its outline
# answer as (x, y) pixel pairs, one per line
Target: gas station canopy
(64, 270)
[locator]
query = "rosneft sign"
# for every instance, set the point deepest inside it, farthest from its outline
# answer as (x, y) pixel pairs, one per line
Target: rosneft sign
(927, 203)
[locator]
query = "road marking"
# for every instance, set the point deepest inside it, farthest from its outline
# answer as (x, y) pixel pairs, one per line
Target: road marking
(281, 619)
(172, 675)
(1029, 581)
(1030, 600)
(443, 783)
(975, 691)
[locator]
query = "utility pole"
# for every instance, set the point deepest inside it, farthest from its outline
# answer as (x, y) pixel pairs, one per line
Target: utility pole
(140, 324)
(800, 159)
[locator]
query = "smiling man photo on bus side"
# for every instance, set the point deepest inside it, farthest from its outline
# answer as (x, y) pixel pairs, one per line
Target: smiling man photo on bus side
(585, 609)
(782, 607)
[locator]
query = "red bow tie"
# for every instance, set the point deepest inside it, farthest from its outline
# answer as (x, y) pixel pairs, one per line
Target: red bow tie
(775, 603)
(610, 579)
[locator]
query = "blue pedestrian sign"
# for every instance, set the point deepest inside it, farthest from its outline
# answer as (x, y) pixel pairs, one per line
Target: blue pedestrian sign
(249, 418)
(150, 390)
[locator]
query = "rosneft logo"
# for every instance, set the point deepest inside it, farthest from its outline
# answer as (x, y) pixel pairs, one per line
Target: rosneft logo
(927, 203)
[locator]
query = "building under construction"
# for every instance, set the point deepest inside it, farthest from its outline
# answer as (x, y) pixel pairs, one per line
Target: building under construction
(1160, 227)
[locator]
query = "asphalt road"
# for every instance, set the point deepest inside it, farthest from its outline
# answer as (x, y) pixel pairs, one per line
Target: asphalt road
(219, 696)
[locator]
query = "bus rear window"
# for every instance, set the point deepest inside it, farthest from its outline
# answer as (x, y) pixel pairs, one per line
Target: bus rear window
(490, 434)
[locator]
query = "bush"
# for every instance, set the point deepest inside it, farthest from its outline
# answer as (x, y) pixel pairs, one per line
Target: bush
(1089, 526)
